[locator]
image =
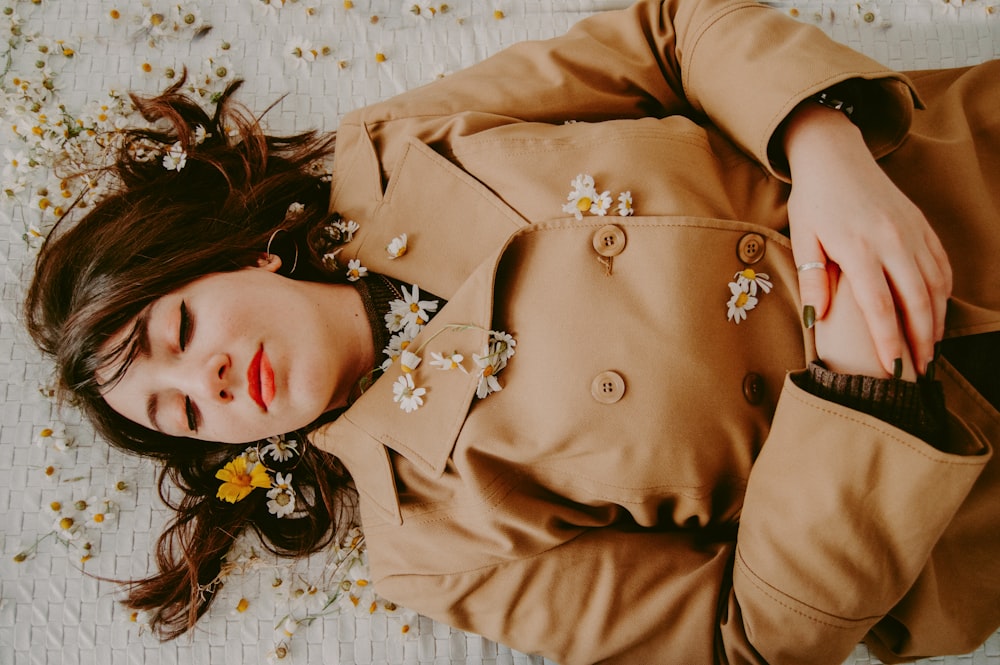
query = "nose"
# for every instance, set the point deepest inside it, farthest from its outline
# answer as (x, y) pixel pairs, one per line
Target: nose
(210, 379)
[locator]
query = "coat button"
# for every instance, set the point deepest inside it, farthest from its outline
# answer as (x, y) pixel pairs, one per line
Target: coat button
(753, 388)
(751, 248)
(609, 240)
(608, 387)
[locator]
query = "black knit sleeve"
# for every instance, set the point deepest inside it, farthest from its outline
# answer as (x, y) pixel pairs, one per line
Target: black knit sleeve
(914, 407)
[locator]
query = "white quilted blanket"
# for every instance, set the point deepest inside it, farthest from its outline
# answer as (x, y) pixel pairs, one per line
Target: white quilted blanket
(326, 56)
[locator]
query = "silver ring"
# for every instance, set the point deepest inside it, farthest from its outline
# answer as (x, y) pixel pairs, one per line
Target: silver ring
(812, 265)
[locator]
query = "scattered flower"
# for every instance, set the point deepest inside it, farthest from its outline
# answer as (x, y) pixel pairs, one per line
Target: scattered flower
(176, 158)
(749, 281)
(740, 303)
(281, 496)
(499, 349)
(280, 448)
(406, 394)
(397, 246)
(584, 197)
(200, 134)
(446, 362)
(498, 14)
(411, 312)
(301, 52)
(100, 513)
(408, 361)
(625, 204)
(355, 270)
(380, 57)
(239, 478)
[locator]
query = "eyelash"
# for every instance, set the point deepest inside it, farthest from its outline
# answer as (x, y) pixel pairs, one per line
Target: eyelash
(192, 417)
(184, 332)
(183, 339)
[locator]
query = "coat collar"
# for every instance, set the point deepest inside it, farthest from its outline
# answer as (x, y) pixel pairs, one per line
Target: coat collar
(363, 436)
(453, 222)
(457, 230)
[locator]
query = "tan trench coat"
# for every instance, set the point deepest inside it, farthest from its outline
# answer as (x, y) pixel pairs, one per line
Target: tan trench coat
(589, 511)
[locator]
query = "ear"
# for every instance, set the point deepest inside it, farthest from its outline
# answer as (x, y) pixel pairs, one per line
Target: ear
(269, 262)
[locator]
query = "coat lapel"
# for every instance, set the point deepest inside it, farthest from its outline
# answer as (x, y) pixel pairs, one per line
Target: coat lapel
(445, 213)
(443, 210)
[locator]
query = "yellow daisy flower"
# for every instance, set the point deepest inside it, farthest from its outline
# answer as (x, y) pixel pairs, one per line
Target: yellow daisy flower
(238, 480)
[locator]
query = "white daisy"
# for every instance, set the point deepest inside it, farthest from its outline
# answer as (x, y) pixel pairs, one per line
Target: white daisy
(301, 52)
(748, 280)
(67, 526)
(176, 158)
(451, 361)
(503, 345)
(355, 270)
(280, 449)
(406, 393)
(581, 197)
(601, 204)
(408, 361)
(397, 246)
(347, 229)
(100, 513)
(200, 134)
(487, 377)
(625, 204)
(281, 496)
(741, 303)
(416, 312)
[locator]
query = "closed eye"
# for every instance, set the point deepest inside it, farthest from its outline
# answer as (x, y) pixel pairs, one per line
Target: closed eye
(184, 329)
(192, 416)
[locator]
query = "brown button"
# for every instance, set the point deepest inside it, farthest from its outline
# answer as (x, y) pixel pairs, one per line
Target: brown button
(608, 387)
(753, 388)
(751, 248)
(609, 240)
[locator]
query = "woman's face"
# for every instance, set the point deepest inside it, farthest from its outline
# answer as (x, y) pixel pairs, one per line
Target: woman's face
(239, 356)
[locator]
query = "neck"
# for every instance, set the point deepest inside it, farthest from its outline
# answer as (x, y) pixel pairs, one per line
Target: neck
(351, 334)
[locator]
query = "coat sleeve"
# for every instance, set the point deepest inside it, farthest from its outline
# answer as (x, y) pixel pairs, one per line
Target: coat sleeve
(740, 65)
(836, 527)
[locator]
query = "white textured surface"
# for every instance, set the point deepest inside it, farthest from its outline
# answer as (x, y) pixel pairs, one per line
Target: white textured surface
(51, 611)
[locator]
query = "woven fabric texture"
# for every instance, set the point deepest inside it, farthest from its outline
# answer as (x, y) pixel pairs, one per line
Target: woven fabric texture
(321, 58)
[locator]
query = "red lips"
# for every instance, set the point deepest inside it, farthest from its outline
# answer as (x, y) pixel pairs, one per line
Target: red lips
(260, 380)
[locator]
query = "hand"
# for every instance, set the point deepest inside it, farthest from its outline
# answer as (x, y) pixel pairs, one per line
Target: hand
(844, 210)
(843, 341)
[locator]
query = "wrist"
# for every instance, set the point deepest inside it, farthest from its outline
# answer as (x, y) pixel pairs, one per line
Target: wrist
(816, 132)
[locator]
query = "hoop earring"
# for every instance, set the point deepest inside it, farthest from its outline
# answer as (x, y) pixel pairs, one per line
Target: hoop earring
(295, 261)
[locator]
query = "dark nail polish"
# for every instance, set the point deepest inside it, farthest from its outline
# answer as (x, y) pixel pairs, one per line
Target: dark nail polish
(937, 350)
(897, 368)
(808, 316)
(931, 369)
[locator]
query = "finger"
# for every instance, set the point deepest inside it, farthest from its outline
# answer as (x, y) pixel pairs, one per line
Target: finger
(916, 308)
(944, 286)
(922, 287)
(814, 288)
(875, 299)
(814, 284)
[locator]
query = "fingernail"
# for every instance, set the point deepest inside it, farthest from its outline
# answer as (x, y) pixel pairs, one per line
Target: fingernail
(808, 316)
(897, 368)
(937, 350)
(931, 368)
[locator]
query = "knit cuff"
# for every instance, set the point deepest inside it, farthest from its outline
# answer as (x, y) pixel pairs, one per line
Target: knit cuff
(916, 408)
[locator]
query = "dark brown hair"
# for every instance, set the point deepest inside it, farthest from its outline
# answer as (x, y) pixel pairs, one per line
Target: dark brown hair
(159, 230)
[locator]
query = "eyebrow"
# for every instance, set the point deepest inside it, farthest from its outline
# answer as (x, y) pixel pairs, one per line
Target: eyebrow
(152, 404)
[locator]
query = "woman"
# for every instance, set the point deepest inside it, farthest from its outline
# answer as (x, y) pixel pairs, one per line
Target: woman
(634, 240)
